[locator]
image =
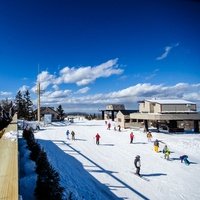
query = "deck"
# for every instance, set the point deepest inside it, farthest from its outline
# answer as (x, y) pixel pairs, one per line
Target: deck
(9, 164)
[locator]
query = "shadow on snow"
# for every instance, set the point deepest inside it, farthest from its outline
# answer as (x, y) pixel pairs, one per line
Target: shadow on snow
(84, 174)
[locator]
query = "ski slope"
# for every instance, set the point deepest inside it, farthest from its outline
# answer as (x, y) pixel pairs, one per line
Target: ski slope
(107, 171)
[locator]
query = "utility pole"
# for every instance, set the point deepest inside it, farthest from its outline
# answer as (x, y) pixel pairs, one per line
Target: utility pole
(38, 105)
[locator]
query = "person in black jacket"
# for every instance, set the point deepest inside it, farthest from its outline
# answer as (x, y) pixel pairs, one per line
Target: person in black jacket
(137, 164)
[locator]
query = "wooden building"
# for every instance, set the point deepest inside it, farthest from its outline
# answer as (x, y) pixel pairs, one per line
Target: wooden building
(48, 110)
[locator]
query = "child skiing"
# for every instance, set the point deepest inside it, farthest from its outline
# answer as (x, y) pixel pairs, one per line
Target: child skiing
(131, 137)
(97, 138)
(137, 164)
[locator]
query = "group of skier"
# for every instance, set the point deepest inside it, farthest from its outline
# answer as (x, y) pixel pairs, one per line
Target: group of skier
(137, 161)
(72, 134)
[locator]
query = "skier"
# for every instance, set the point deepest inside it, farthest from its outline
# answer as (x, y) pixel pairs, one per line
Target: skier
(156, 145)
(73, 135)
(109, 125)
(119, 128)
(131, 137)
(97, 138)
(137, 164)
(67, 133)
(149, 136)
(166, 152)
(184, 158)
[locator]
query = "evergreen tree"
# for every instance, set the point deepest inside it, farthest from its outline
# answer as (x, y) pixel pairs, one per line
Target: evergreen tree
(61, 113)
(28, 106)
(19, 101)
(24, 105)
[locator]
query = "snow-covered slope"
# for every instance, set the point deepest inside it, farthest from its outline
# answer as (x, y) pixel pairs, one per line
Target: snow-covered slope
(107, 171)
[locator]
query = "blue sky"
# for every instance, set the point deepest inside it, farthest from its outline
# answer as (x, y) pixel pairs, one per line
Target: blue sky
(96, 52)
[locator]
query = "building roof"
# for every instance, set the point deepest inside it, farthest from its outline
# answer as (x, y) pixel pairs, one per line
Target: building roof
(128, 112)
(170, 101)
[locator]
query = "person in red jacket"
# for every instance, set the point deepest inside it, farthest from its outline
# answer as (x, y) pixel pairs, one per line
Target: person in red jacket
(97, 138)
(131, 137)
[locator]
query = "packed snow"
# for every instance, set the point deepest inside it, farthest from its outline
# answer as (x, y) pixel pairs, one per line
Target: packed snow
(106, 171)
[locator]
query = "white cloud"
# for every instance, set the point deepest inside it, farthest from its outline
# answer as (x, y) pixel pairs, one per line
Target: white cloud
(85, 75)
(128, 96)
(80, 76)
(5, 94)
(167, 50)
(55, 87)
(23, 88)
(83, 90)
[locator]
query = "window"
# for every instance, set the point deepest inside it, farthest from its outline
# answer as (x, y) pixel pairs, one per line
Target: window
(133, 120)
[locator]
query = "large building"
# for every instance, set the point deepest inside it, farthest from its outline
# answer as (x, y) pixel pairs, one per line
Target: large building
(167, 113)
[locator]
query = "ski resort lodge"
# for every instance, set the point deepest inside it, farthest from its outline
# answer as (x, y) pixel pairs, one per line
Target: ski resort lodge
(171, 115)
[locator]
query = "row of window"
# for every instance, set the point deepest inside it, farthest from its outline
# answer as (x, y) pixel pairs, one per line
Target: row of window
(130, 120)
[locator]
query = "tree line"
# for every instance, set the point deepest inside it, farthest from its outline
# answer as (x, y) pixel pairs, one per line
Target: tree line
(23, 105)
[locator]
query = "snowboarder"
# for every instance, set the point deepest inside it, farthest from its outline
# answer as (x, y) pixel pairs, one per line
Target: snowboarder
(97, 138)
(137, 164)
(166, 152)
(149, 136)
(184, 158)
(73, 135)
(156, 145)
(131, 137)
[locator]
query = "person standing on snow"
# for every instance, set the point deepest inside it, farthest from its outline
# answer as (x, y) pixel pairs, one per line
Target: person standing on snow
(156, 145)
(149, 136)
(166, 152)
(119, 128)
(109, 125)
(73, 135)
(131, 137)
(97, 138)
(67, 133)
(137, 164)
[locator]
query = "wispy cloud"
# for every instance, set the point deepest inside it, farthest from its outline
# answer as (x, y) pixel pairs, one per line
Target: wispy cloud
(80, 76)
(86, 75)
(167, 50)
(152, 75)
(128, 96)
(83, 90)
